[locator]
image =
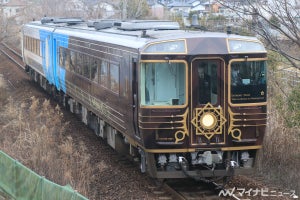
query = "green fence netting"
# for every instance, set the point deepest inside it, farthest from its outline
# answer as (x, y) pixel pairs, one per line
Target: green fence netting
(20, 183)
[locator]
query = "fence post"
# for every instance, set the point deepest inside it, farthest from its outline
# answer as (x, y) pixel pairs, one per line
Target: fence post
(16, 179)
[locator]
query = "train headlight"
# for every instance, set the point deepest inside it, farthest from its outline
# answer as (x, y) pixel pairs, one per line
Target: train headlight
(208, 120)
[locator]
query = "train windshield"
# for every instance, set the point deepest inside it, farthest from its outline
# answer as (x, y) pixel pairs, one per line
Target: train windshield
(248, 82)
(163, 84)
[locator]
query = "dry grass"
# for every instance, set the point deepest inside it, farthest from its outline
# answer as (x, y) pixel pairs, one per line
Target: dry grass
(34, 133)
(280, 158)
(3, 92)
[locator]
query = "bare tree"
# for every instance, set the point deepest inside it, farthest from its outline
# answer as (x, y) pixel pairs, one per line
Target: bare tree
(8, 26)
(53, 8)
(93, 11)
(131, 9)
(275, 21)
(2, 26)
(137, 9)
(98, 9)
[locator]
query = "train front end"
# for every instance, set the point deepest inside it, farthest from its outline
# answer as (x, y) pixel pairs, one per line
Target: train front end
(202, 105)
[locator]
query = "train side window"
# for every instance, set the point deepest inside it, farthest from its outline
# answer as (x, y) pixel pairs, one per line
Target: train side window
(25, 41)
(79, 63)
(29, 44)
(31, 41)
(95, 64)
(114, 77)
(67, 59)
(36, 46)
(33, 45)
(86, 66)
(62, 57)
(72, 61)
(104, 73)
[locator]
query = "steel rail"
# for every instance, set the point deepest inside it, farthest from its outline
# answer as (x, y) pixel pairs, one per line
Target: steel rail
(11, 57)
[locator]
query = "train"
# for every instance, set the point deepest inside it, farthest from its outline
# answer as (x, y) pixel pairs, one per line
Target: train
(185, 103)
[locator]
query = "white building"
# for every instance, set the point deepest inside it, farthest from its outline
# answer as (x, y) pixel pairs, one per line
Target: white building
(179, 7)
(3, 2)
(158, 11)
(12, 8)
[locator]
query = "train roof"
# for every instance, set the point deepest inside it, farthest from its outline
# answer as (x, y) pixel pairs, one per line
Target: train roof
(139, 35)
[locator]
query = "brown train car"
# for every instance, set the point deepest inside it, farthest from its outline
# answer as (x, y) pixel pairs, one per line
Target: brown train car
(187, 103)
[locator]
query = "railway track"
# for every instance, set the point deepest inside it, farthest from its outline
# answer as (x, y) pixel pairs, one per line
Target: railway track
(12, 54)
(188, 189)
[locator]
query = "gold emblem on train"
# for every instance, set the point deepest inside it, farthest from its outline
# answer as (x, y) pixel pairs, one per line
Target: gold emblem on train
(180, 135)
(208, 121)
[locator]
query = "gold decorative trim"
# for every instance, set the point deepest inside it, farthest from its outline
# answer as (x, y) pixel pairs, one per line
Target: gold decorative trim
(95, 105)
(180, 135)
(180, 125)
(240, 148)
(202, 149)
(213, 127)
(235, 132)
(231, 129)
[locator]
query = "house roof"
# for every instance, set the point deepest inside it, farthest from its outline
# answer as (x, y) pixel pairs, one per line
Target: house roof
(16, 3)
(179, 4)
(192, 1)
(198, 7)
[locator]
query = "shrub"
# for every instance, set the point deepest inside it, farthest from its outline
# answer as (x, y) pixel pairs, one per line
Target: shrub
(36, 135)
(3, 88)
(293, 108)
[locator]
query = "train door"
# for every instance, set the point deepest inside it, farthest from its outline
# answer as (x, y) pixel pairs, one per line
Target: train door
(54, 61)
(207, 102)
(135, 97)
(46, 40)
(60, 43)
(60, 59)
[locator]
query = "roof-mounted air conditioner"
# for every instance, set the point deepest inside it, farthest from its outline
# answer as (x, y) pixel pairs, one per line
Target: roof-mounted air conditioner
(68, 21)
(147, 25)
